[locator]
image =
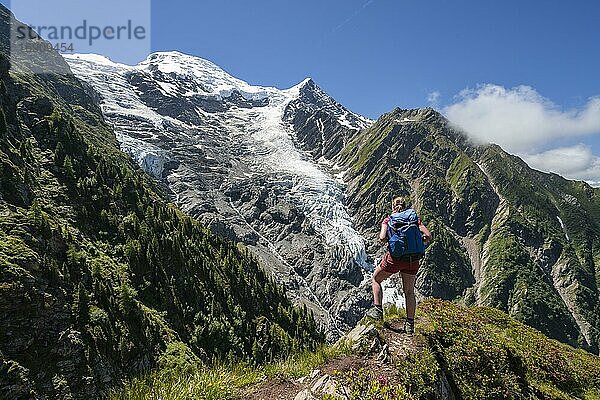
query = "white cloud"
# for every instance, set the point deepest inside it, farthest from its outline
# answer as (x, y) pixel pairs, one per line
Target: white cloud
(519, 119)
(574, 162)
(433, 97)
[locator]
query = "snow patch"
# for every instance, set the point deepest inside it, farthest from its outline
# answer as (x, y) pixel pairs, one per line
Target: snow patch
(168, 88)
(211, 78)
(562, 225)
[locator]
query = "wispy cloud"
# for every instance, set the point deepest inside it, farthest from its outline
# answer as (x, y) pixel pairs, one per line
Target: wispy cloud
(433, 97)
(519, 119)
(352, 16)
(573, 162)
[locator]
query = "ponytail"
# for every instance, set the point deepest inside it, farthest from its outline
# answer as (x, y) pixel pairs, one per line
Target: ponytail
(399, 204)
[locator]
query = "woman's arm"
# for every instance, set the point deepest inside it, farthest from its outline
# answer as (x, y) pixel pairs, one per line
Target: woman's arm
(426, 234)
(383, 231)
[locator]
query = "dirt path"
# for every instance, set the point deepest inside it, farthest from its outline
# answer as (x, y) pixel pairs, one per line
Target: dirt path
(394, 345)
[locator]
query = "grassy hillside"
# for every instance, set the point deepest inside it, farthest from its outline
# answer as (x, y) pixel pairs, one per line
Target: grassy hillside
(100, 276)
(487, 354)
(479, 352)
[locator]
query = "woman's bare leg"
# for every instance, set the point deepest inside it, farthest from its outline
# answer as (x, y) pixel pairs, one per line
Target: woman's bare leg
(408, 285)
(378, 276)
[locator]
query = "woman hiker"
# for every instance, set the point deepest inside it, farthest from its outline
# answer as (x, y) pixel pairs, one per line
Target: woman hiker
(404, 227)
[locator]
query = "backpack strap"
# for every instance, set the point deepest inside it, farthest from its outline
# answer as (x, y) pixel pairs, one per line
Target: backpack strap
(391, 225)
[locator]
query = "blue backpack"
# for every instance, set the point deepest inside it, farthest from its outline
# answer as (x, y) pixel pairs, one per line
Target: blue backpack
(405, 240)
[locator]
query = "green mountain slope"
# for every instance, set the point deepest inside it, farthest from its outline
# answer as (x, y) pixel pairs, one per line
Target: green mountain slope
(98, 273)
(506, 236)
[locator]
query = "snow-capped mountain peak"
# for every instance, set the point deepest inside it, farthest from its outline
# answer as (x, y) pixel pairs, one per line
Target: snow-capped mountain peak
(211, 80)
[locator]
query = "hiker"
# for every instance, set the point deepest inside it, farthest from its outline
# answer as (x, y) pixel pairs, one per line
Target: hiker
(406, 237)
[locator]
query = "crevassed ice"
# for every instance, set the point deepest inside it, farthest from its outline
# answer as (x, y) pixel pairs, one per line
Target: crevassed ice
(319, 193)
(151, 159)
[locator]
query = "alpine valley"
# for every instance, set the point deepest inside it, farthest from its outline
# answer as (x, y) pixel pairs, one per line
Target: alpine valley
(169, 210)
(304, 183)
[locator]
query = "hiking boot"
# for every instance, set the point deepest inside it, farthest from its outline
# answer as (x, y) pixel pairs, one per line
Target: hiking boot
(375, 313)
(409, 327)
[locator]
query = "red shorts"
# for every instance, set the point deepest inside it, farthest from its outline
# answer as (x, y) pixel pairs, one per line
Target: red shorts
(391, 265)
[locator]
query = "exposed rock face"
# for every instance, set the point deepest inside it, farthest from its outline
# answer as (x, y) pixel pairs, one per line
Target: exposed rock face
(322, 126)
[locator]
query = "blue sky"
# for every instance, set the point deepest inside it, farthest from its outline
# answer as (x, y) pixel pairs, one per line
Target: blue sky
(374, 55)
